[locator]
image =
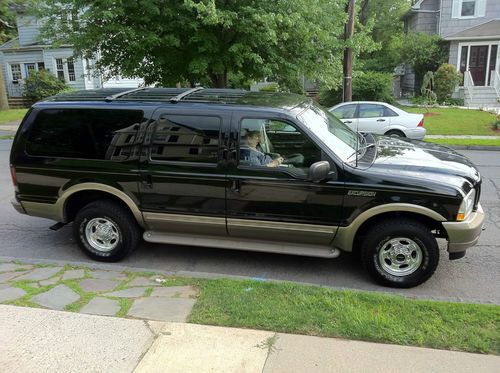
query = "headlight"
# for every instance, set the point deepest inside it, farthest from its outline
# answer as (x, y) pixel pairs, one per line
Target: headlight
(466, 206)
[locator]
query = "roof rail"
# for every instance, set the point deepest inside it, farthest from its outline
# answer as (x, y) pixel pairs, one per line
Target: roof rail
(120, 94)
(184, 94)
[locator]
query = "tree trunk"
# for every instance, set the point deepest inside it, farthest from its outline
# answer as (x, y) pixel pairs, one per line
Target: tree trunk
(4, 103)
(219, 80)
(349, 30)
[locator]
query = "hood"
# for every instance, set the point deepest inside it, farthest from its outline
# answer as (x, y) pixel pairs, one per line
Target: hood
(421, 160)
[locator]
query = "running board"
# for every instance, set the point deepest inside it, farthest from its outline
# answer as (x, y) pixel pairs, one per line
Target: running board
(242, 244)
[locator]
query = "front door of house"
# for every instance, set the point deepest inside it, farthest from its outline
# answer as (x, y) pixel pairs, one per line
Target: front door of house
(477, 63)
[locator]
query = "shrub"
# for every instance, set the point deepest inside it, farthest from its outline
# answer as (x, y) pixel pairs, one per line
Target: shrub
(366, 86)
(496, 123)
(42, 84)
(446, 79)
(273, 87)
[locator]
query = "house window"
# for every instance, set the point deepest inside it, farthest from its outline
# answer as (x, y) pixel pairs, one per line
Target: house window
(71, 70)
(41, 66)
(60, 68)
(16, 72)
(468, 8)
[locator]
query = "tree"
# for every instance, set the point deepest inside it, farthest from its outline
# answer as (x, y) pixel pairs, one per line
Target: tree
(385, 20)
(205, 41)
(423, 52)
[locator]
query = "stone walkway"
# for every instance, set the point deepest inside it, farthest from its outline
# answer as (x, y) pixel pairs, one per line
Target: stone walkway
(95, 292)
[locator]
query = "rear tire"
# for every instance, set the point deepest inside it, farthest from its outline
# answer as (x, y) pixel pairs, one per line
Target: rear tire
(106, 231)
(400, 253)
(395, 133)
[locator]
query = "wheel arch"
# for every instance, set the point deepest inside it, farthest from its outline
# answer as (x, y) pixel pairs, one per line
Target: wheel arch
(76, 197)
(349, 237)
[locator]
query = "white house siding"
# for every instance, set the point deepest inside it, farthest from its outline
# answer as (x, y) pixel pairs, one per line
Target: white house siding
(50, 56)
(28, 30)
(21, 58)
(450, 26)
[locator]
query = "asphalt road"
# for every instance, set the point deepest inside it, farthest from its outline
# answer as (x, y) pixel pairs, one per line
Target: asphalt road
(475, 278)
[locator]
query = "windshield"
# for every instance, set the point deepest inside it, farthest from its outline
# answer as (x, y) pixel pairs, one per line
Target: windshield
(334, 134)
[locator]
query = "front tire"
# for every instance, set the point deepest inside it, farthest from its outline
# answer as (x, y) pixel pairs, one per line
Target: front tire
(400, 253)
(106, 231)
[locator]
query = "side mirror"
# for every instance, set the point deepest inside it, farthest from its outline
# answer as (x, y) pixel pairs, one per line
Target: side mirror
(319, 171)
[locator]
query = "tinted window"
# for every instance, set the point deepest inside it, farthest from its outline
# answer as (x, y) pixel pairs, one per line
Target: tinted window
(85, 133)
(345, 112)
(389, 113)
(185, 138)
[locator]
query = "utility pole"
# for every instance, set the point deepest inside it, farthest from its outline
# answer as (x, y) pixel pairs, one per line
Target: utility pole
(349, 30)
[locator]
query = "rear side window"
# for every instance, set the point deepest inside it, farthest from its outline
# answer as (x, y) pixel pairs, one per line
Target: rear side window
(85, 133)
(186, 138)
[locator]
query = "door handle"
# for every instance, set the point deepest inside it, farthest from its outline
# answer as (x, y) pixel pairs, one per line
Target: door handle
(147, 181)
(348, 121)
(380, 120)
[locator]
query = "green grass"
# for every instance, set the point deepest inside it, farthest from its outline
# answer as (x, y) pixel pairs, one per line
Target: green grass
(455, 121)
(7, 137)
(292, 308)
(469, 142)
(11, 115)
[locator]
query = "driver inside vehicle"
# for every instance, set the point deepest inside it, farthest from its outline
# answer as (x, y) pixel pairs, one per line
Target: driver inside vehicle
(253, 156)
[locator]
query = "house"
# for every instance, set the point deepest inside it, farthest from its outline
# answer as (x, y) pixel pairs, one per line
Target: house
(471, 29)
(28, 52)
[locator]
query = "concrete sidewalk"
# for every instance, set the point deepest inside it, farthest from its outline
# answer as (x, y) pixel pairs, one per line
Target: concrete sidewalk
(48, 341)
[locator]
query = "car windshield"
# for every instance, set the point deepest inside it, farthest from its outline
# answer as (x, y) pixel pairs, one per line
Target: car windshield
(331, 131)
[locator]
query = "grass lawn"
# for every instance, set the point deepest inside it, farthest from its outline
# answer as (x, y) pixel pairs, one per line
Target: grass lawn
(455, 121)
(292, 308)
(481, 142)
(11, 114)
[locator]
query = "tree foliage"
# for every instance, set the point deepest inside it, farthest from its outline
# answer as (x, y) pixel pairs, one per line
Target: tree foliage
(446, 79)
(366, 86)
(205, 41)
(423, 52)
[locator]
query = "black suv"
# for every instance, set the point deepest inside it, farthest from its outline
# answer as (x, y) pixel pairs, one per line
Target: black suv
(241, 170)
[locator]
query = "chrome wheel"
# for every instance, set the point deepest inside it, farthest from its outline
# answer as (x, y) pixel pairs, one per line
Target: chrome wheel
(400, 256)
(102, 234)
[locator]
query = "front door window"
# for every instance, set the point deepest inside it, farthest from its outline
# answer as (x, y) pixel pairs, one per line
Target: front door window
(477, 63)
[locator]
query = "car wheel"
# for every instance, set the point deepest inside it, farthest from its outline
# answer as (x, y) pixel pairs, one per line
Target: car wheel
(106, 231)
(395, 133)
(400, 253)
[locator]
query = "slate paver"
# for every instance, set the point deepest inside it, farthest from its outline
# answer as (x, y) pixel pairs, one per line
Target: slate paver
(73, 274)
(101, 306)
(11, 294)
(7, 276)
(107, 275)
(143, 281)
(40, 273)
(98, 285)
(128, 293)
(56, 298)
(162, 308)
(175, 292)
(50, 281)
(5, 267)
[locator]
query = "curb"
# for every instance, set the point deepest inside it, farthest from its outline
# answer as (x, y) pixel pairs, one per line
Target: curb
(473, 147)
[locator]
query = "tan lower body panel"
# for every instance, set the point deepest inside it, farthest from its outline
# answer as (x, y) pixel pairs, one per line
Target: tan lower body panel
(159, 222)
(225, 242)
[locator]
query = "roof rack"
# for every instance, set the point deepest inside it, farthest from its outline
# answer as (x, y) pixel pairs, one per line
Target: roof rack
(124, 93)
(184, 94)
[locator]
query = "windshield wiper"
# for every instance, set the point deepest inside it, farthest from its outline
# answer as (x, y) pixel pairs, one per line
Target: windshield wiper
(360, 149)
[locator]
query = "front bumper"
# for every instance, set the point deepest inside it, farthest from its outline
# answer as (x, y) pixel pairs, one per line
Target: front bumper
(464, 234)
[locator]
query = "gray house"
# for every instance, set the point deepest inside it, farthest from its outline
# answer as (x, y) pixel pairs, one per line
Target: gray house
(27, 53)
(472, 30)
